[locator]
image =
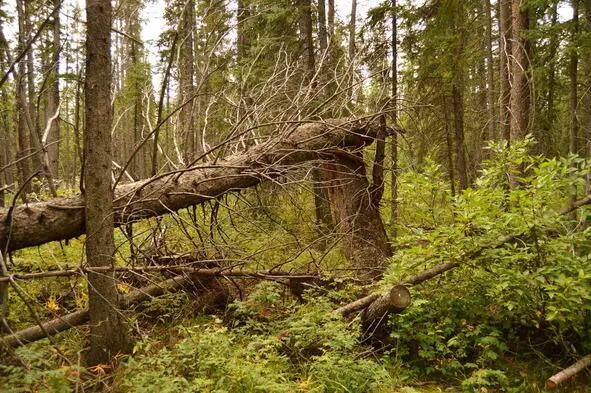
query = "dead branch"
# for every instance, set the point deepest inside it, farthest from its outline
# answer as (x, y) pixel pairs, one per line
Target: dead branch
(219, 272)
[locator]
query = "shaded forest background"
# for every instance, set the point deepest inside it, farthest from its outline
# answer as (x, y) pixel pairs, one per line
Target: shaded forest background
(292, 162)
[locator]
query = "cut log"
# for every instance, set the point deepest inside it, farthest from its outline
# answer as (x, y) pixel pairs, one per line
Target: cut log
(375, 317)
(568, 372)
(38, 223)
(395, 300)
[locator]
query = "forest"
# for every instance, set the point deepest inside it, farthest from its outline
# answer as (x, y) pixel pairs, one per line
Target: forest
(295, 196)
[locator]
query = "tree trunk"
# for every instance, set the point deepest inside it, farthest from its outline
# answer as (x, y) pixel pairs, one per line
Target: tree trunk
(394, 137)
(305, 8)
(505, 43)
(458, 110)
(490, 83)
(573, 133)
(568, 372)
(520, 91)
(52, 98)
(457, 93)
(544, 136)
(186, 66)
(374, 319)
(352, 24)
(23, 137)
(322, 208)
(322, 32)
(587, 98)
(357, 219)
(63, 218)
(107, 333)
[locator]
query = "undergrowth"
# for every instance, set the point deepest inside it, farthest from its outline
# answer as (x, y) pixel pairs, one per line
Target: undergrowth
(509, 316)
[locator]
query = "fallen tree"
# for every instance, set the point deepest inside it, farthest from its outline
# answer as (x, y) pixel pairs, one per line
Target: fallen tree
(569, 372)
(190, 277)
(33, 224)
(383, 304)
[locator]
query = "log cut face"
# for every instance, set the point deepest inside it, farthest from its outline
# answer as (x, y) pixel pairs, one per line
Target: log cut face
(34, 224)
(358, 220)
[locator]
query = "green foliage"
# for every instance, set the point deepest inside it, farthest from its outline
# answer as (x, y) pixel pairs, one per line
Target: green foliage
(311, 350)
(531, 294)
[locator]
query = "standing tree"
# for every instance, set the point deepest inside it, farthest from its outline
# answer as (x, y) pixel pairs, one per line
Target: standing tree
(107, 333)
(520, 83)
(504, 67)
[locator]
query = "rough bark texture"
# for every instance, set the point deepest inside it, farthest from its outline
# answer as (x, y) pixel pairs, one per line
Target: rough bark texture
(357, 219)
(34, 224)
(186, 68)
(107, 333)
(53, 97)
(520, 93)
(587, 81)
(504, 68)
(490, 84)
(394, 137)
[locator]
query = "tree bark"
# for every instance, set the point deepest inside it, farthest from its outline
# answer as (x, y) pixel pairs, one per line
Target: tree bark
(107, 333)
(587, 81)
(352, 24)
(394, 137)
(63, 218)
(53, 97)
(573, 133)
(505, 43)
(520, 87)
(357, 219)
(568, 372)
(186, 66)
(490, 82)
(375, 317)
(24, 162)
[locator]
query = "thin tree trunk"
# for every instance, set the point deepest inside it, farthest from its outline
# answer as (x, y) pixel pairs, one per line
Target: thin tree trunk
(458, 110)
(186, 64)
(573, 133)
(352, 30)
(321, 197)
(53, 97)
(587, 97)
(394, 137)
(23, 137)
(331, 27)
(520, 92)
(457, 93)
(505, 43)
(550, 108)
(107, 333)
(490, 82)
(322, 31)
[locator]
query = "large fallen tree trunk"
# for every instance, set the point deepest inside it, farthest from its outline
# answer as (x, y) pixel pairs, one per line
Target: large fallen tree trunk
(37, 223)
